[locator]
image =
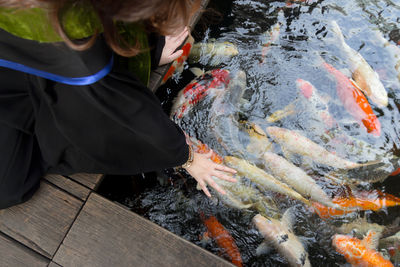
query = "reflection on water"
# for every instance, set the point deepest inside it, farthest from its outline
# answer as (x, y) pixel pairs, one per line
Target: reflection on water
(275, 97)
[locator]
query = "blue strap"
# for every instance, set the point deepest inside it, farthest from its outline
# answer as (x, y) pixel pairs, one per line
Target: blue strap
(86, 80)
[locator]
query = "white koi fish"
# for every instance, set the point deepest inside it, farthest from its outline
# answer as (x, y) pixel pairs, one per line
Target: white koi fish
(365, 77)
(279, 234)
(214, 50)
(297, 178)
(296, 143)
(262, 179)
(393, 50)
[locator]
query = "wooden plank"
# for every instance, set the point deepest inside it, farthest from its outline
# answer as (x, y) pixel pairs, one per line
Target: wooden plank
(14, 254)
(155, 80)
(68, 185)
(41, 223)
(90, 180)
(106, 234)
(53, 264)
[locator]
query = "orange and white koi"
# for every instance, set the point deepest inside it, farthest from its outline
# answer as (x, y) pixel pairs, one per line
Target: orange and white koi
(368, 200)
(366, 78)
(210, 83)
(223, 238)
(361, 200)
(319, 105)
(354, 101)
(325, 212)
(279, 233)
(177, 64)
(360, 252)
(294, 142)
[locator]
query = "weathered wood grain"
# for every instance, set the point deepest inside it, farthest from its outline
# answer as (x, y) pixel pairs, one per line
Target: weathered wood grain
(90, 180)
(14, 254)
(105, 234)
(68, 185)
(53, 264)
(42, 222)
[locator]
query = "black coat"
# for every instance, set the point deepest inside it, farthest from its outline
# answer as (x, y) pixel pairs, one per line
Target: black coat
(113, 126)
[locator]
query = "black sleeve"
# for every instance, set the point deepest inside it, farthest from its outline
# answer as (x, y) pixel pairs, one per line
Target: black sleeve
(118, 123)
(156, 44)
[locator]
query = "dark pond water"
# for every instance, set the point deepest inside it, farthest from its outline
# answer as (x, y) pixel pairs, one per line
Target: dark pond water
(171, 200)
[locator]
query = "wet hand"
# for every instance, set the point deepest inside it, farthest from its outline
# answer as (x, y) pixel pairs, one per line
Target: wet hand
(172, 42)
(203, 170)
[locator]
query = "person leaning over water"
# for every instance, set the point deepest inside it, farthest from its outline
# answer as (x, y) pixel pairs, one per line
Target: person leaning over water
(68, 102)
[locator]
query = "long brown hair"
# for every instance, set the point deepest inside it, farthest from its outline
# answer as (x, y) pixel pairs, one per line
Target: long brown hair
(162, 16)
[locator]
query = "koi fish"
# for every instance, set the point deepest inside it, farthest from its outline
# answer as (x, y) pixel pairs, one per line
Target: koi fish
(240, 196)
(223, 238)
(396, 172)
(258, 141)
(360, 227)
(201, 148)
(271, 36)
(223, 123)
(367, 79)
(295, 143)
(177, 65)
(214, 50)
(279, 233)
(365, 200)
(318, 105)
(354, 101)
(297, 179)
(211, 83)
(325, 212)
(393, 50)
(360, 252)
(262, 179)
(288, 110)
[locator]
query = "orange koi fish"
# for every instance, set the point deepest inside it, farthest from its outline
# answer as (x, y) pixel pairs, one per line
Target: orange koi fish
(223, 238)
(363, 200)
(201, 148)
(354, 101)
(325, 212)
(396, 172)
(360, 252)
(177, 65)
(368, 200)
(209, 83)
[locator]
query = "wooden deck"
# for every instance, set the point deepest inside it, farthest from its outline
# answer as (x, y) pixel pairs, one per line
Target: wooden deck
(67, 224)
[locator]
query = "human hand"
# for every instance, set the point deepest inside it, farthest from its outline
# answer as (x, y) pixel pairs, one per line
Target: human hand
(172, 42)
(203, 170)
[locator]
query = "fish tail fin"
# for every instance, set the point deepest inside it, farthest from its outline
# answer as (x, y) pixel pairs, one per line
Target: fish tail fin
(337, 31)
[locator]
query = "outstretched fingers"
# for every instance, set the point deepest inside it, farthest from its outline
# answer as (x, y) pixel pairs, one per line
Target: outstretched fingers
(203, 187)
(214, 185)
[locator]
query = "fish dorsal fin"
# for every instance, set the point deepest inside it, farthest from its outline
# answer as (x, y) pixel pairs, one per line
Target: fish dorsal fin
(264, 248)
(197, 71)
(288, 218)
(371, 240)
